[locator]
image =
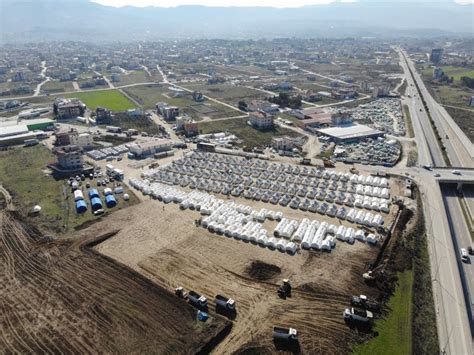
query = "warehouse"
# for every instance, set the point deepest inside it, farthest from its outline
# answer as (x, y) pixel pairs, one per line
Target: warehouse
(139, 150)
(350, 133)
(16, 134)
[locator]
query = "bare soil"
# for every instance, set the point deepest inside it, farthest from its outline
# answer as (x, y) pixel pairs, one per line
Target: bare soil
(60, 296)
(162, 242)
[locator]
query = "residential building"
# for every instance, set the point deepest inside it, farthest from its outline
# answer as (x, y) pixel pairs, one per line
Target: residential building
(69, 157)
(169, 113)
(187, 125)
(283, 143)
(436, 55)
(68, 108)
(73, 137)
(102, 115)
(262, 105)
(261, 120)
(341, 118)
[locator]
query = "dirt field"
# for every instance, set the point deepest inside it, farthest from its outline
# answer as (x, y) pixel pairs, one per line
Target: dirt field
(63, 297)
(161, 242)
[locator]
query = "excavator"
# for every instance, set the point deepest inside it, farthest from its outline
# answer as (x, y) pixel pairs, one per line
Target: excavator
(372, 274)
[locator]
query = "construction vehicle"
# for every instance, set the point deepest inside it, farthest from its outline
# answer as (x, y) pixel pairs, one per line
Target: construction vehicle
(358, 315)
(284, 290)
(354, 170)
(364, 302)
(285, 334)
(179, 291)
(372, 274)
(225, 303)
(328, 163)
(197, 300)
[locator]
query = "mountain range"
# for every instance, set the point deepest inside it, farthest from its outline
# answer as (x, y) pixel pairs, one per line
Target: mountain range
(47, 20)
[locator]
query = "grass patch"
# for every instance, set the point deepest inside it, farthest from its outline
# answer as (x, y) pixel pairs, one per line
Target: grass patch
(148, 95)
(464, 119)
(467, 216)
(395, 333)
(412, 157)
(406, 112)
(457, 72)
(111, 99)
(141, 124)
(30, 184)
(249, 136)
(56, 86)
(403, 87)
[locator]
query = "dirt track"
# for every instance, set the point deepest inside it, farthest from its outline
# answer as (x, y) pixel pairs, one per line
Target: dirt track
(166, 246)
(63, 297)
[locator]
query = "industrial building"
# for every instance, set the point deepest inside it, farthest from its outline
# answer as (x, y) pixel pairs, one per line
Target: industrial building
(13, 133)
(140, 150)
(350, 133)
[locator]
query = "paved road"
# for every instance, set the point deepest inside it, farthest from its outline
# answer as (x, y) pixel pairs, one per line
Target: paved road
(461, 239)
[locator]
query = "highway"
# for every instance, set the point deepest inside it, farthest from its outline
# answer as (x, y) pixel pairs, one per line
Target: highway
(445, 223)
(459, 148)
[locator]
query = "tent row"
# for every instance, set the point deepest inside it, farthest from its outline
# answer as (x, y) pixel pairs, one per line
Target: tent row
(265, 169)
(267, 191)
(260, 179)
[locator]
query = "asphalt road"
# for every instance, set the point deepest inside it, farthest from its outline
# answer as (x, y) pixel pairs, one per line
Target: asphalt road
(461, 239)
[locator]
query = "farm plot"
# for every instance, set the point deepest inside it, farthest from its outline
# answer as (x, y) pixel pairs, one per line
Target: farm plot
(61, 296)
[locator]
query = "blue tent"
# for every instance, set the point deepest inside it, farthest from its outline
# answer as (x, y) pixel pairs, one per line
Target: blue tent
(96, 203)
(93, 193)
(110, 201)
(81, 206)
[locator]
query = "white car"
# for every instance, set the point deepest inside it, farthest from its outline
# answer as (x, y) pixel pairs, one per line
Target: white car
(456, 172)
(464, 255)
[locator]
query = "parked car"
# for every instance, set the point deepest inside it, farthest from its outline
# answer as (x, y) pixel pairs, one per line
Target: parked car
(364, 302)
(464, 255)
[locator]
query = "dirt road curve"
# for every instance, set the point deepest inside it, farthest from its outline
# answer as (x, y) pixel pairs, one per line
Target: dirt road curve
(8, 199)
(63, 297)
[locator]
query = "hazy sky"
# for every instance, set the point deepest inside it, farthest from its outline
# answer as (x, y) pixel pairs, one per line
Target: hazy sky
(273, 3)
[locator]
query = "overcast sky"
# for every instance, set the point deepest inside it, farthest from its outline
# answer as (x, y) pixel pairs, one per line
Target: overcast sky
(273, 3)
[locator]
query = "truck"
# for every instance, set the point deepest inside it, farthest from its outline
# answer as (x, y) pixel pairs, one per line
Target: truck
(113, 129)
(305, 161)
(364, 302)
(225, 303)
(179, 291)
(285, 334)
(197, 300)
(358, 315)
(30, 142)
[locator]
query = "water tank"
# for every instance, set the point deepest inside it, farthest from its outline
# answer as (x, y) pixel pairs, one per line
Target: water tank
(126, 197)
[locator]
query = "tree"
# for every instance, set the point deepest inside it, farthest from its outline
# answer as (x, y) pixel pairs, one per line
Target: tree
(243, 106)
